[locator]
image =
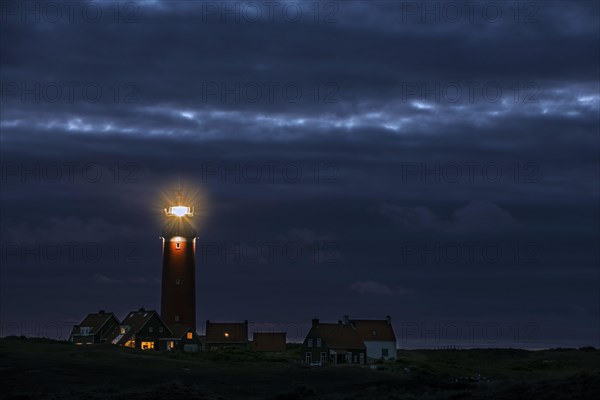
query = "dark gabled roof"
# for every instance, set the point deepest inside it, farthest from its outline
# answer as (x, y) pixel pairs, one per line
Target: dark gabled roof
(137, 319)
(134, 321)
(269, 341)
(180, 330)
(339, 336)
(374, 330)
(95, 321)
(226, 332)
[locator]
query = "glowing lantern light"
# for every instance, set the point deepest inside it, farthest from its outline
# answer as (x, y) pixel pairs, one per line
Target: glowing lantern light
(179, 211)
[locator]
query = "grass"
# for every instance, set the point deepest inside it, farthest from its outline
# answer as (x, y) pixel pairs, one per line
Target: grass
(43, 369)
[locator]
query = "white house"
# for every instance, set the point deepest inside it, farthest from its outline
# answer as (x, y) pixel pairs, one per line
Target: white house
(378, 337)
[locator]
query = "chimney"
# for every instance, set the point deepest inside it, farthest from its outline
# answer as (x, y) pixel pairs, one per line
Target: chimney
(315, 322)
(388, 319)
(346, 319)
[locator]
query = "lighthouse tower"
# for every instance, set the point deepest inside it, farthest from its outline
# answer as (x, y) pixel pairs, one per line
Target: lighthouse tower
(178, 296)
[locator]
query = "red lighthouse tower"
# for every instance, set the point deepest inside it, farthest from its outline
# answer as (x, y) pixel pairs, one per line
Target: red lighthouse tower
(178, 296)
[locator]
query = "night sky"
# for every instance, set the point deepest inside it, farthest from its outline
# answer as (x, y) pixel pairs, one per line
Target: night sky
(436, 162)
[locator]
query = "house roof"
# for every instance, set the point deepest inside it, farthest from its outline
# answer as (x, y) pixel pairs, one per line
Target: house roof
(269, 341)
(374, 330)
(339, 336)
(95, 321)
(226, 332)
(135, 320)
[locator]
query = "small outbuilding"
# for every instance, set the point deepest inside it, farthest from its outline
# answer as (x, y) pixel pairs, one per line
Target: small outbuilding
(183, 338)
(226, 334)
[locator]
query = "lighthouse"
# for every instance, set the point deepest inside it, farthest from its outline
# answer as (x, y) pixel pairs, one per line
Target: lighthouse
(178, 294)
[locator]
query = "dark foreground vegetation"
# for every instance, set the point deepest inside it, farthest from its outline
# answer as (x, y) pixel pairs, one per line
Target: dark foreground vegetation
(44, 369)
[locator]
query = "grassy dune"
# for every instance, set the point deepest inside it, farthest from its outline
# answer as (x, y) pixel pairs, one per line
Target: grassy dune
(38, 369)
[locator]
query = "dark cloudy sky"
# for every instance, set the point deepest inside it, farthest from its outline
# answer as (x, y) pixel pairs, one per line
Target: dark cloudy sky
(437, 162)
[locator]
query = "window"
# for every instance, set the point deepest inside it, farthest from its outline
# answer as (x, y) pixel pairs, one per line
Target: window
(362, 358)
(177, 281)
(190, 335)
(226, 334)
(323, 357)
(384, 352)
(178, 246)
(318, 342)
(171, 345)
(123, 330)
(160, 329)
(309, 343)
(147, 345)
(85, 330)
(355, 359)
(308, 358)
(176, 318)
(150, 329)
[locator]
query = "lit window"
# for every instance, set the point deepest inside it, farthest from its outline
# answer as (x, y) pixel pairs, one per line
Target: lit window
(123, 330)
(178, 246)
(130, 343)
(147, 345)
(189, 335)
(309, 343)
(318, 342)
(171, 344)
(226, 334)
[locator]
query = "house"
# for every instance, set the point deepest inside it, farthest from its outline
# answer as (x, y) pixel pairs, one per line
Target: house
(225, 334)
(377, 335)
(141, 329)
(269, 341)
(94, 328)
(182, 338)
(328, 343)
